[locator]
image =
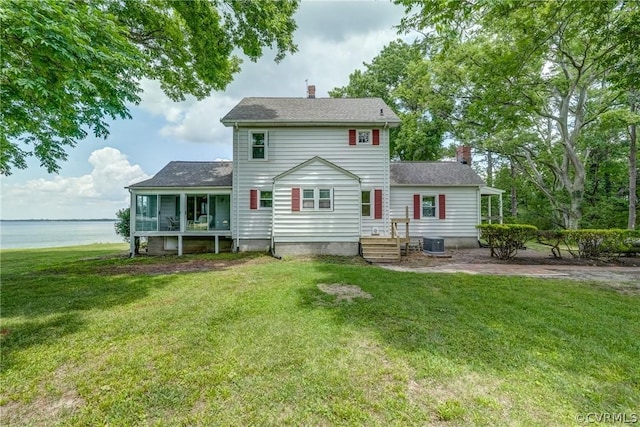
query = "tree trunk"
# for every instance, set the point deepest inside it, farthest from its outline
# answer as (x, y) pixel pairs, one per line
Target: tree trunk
(633, 169)
(574, 213)
(514, 194)
(489, 168)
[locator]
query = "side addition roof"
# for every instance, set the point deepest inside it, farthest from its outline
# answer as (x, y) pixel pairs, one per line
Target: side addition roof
(434, 173)
(190, 174)
(311, 112)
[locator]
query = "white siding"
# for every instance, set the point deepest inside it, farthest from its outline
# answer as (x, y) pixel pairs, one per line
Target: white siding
(461, 211)
(341, 223)
(291, 146)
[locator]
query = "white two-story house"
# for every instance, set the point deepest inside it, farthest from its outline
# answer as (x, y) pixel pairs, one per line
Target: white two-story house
(309, 175)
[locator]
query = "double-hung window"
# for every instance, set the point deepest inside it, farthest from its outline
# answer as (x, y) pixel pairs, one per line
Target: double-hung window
(258, 141)
(324, 198)
(428, 206)
(308, 199)
(317, 198)
(366, 203)
(266, 199)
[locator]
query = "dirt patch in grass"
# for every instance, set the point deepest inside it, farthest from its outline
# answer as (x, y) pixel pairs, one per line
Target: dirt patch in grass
(148, 265)
(56, 400)
(343, 292)
(461, 397)
(531, 256)
(621, 274)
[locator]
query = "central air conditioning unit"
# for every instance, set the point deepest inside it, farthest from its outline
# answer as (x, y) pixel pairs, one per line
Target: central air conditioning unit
(433, 245)
(375, 231)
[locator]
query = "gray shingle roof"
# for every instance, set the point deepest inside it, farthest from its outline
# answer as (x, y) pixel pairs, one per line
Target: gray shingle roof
(190, 174)
(300, 111)
(433, 173)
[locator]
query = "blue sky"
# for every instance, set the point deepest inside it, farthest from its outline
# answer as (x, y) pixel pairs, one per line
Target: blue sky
(334, 38)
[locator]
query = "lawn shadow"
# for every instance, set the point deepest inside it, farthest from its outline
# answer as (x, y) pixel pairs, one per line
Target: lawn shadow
(37, 331)
(42, 300)
(77, 282)
(560, 331)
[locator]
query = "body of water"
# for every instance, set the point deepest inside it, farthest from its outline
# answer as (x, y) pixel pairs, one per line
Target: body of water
(47, 234)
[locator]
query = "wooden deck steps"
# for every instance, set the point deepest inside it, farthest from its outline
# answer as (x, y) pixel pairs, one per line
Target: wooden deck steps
(387, 249)
(380, 249)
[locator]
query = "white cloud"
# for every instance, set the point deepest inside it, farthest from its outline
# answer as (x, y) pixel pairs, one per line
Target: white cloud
(190, 120)
(200, 122)
(96, 195)
(156, 102)
(112, 172)
(332, 43)
(329, 63)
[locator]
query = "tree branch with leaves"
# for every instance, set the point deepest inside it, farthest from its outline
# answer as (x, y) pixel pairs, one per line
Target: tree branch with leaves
(67, 68)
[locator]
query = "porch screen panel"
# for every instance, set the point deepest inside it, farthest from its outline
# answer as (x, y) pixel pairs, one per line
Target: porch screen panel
(220, 212)
(169, 213)
(146, 213)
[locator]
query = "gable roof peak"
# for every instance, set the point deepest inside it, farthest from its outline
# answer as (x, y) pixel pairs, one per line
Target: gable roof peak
(311, 111)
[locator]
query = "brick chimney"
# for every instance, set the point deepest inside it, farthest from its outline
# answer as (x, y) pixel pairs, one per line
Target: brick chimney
(463, 154)
(311, 91)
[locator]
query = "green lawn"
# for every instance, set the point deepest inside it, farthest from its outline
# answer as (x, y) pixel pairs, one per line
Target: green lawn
(90, 338)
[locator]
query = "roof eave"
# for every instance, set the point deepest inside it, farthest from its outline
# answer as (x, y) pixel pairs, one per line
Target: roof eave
(173, 187)
(393, 184)
(307, 123)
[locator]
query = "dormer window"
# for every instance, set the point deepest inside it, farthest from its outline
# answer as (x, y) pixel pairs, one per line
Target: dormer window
(364, 137)
(258, 141)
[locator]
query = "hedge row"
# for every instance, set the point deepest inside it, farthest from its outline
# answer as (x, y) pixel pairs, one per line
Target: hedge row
(504, 240)
(592, 243)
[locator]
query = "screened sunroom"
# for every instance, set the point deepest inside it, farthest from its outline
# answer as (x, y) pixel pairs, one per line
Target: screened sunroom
(186, 207)
(164, 212)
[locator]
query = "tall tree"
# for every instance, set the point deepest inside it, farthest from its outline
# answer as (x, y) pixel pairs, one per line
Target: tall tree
(420, 134)
(69, 66)
(535, 78)
(625, 75)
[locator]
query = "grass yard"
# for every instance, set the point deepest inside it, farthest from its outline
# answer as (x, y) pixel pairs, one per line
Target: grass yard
(90, 338)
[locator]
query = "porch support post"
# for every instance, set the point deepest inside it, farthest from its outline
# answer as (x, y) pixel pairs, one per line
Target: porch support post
(489, 209)
(183, 212)
(183, 220)
(217, 244)
(132, 224)
(478, 210)
(500, 204)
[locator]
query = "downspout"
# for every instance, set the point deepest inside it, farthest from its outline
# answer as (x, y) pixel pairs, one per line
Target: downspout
(236, 185)
(387, 180)
(478, 211)
(132, 223)
(272, 246)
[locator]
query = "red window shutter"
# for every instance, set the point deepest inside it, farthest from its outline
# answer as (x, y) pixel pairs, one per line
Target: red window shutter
(416, 206)
(376, 137)
(295, 200)
(253, 199)
(377, 204)
(352, 137)
(441, 206)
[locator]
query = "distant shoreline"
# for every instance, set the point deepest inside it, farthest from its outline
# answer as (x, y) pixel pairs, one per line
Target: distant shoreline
(60, 220)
